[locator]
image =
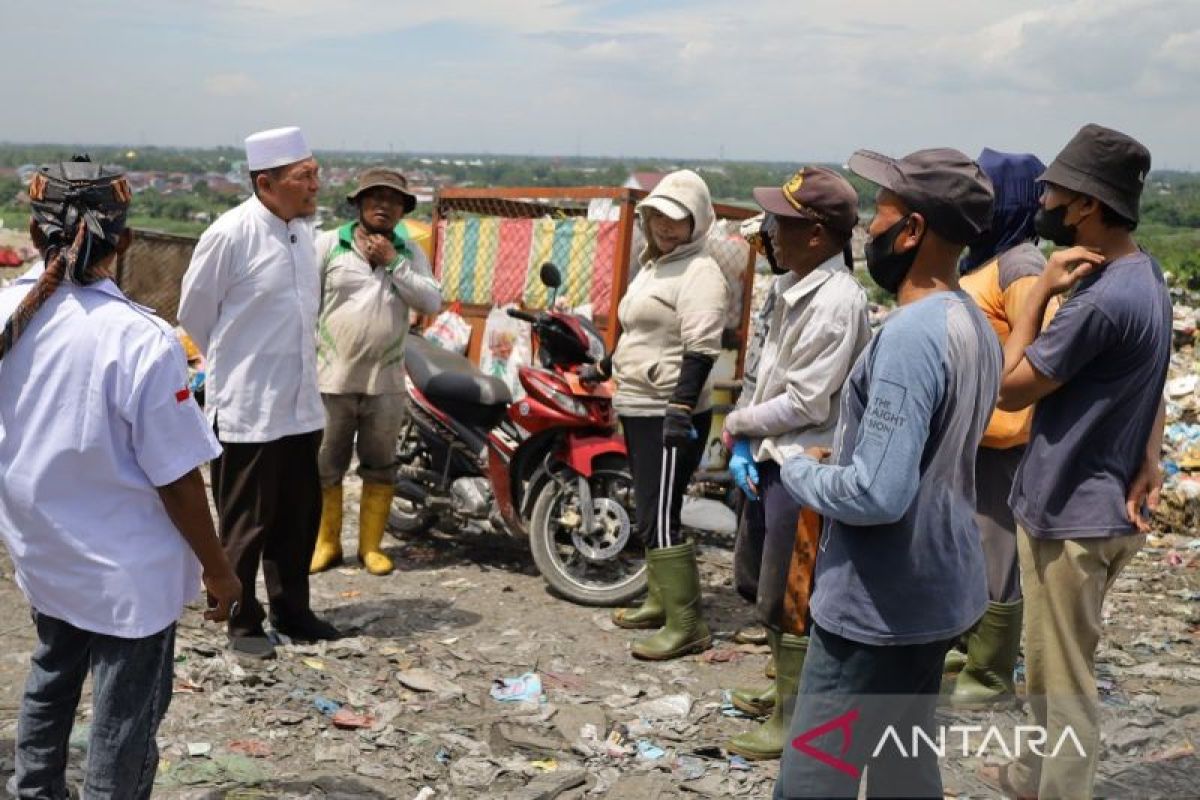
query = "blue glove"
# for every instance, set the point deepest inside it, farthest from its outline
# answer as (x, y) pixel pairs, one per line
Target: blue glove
(744, 469)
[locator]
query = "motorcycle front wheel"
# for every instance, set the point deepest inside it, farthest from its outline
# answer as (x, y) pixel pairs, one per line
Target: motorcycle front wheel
(603, 567)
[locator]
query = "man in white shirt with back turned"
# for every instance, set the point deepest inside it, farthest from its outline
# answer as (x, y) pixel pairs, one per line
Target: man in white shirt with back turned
(102, 504)
(249, 301)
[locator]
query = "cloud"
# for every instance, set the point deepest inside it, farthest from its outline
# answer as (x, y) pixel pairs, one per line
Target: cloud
(1097, 47)
(230, 84)
(771, 79)
(279, 24)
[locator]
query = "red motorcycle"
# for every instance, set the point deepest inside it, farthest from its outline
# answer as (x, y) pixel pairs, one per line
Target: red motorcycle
(549, 466)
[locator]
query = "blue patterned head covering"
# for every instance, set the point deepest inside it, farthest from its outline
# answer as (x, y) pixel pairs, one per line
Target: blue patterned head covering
(1014, 178)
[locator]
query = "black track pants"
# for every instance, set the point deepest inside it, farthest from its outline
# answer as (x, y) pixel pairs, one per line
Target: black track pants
(661, 475)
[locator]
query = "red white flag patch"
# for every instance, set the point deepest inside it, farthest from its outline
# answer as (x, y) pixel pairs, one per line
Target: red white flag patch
(182, 395)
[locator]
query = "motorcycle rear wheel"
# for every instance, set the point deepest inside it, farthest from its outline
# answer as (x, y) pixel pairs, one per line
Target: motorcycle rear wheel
(616, 575)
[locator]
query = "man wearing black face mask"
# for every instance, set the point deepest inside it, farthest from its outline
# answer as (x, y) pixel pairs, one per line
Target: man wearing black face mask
(1096, 373)
(900, 572)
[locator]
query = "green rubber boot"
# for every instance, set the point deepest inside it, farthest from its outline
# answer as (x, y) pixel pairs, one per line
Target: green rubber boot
(992, 649)
(955, 660)
(767, 740)
(751, 634)
(758, 702)
(649, 614)
(674, 569)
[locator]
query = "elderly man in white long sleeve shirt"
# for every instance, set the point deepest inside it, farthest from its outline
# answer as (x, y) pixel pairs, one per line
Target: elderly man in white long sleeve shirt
(249, 301)
(371, 278)
(816, 325)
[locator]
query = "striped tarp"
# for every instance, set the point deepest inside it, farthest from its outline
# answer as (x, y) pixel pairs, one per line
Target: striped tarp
(494, 261)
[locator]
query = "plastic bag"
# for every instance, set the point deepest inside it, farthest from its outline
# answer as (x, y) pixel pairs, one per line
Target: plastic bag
(507, 345)
(450, 331)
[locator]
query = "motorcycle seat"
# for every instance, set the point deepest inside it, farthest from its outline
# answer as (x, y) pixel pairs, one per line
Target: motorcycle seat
(455, 384)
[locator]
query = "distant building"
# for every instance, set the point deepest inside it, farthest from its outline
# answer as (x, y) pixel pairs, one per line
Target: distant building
(646, 181)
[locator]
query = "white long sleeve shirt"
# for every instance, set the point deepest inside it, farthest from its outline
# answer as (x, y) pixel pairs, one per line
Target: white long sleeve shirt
(364, 316)
(816, 328)
(249, 302)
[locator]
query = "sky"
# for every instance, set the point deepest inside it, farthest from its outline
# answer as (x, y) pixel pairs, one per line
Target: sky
(779, 80)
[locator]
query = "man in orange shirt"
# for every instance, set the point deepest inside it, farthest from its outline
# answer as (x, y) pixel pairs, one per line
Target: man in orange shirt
(1000, 271)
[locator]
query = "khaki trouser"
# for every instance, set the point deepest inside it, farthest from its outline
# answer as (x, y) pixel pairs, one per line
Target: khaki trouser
(1065, 582)
(371, 424)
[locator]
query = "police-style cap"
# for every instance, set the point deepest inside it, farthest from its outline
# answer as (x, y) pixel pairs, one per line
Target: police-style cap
(813, 193)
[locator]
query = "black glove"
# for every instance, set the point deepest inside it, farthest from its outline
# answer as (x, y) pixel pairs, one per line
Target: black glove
(677, 427)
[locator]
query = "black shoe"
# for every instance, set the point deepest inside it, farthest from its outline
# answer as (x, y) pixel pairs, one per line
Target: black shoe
(307, 629)
(11, 789)
(257, 647)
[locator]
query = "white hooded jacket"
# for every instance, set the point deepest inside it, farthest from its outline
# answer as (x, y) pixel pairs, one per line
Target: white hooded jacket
(676, 304)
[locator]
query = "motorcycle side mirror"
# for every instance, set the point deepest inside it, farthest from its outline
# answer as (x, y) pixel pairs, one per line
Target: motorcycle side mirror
(550, 275)
(551, 279)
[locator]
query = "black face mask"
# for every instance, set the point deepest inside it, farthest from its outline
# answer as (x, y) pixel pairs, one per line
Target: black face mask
(888, 268)
(1052, 224)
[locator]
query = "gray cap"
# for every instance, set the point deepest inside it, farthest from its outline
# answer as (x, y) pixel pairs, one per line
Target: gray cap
(1104, 164)
(943, 185)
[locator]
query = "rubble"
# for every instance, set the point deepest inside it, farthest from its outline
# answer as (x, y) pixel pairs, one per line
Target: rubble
(406, 705)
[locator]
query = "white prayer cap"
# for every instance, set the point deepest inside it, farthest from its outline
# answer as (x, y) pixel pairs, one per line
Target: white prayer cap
(275, 148)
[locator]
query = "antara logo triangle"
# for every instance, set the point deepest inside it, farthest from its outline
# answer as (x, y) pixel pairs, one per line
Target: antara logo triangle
(845, 724)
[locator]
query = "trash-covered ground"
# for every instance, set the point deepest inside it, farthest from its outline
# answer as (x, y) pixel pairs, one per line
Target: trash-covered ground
(462, 677)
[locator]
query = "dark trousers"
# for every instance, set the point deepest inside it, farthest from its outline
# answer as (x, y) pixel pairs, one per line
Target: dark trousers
(995, 471)
(763, 554)
(268, 498)
(661, 475)
(747, 552)
(855, 691)
(131, 689)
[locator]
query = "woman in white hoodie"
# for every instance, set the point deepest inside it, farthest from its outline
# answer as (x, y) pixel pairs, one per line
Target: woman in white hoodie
(671, 320)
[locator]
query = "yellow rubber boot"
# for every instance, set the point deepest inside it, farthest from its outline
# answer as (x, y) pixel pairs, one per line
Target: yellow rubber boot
(328, 552)
(372, 522)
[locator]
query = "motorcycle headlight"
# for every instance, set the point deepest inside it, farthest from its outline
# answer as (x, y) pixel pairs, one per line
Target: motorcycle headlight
(564, 401)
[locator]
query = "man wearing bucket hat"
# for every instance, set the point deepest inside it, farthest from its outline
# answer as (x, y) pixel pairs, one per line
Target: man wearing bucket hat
(900, 571)
(1096, 373)
(249, 302)
(814, 329)
(371, 278)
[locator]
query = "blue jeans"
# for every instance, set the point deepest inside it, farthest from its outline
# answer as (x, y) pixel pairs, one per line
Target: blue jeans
(850, 693)
(131, 689)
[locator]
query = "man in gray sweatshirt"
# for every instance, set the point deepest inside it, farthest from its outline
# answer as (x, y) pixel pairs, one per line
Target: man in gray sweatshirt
(900, 571)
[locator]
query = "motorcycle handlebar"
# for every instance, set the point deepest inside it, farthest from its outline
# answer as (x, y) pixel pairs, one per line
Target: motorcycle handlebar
(521, 315)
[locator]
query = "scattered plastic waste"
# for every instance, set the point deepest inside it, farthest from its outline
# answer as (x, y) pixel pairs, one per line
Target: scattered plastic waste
(254, 748)
(728, 709)
(326, 706)
(689, 768)
(350, 720)
(522, 689)
(648, 751)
